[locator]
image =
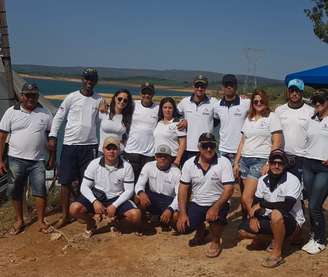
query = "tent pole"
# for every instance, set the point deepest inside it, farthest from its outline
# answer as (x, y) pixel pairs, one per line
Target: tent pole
(5, 53)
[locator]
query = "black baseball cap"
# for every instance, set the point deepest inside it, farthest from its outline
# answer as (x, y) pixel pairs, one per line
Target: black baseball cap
(147, 87)
(229, 79)
(30, 88)
(320, 96)
(90, 73)
(200, 79)
(206, 137)
(278, 154)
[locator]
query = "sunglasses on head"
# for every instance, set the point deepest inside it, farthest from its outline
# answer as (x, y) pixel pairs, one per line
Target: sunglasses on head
(111, 147)
(258, 102)
(206, 145)
(200, 85)
(122, 99)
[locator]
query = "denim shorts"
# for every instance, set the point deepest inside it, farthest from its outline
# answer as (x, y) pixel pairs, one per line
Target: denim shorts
(251, 167)
(22, 171)
(230, 156)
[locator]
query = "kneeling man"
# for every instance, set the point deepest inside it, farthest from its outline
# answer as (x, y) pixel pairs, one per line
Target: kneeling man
(277, 209)
(211, 181)
(163, 178)
(106, 189)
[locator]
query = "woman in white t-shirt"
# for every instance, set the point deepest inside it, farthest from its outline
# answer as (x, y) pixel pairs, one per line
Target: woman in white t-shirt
(117, 120)
(166, 131)
(315, 172)
(261, 133)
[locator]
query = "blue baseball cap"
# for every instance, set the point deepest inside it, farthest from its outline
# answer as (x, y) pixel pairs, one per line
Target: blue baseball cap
(299, 84)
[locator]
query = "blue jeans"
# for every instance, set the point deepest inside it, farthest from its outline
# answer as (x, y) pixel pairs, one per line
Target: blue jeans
(315, 176)
(19, 171)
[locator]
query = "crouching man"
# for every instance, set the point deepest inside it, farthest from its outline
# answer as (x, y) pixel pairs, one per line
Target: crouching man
(211, 181)
(277, 209)
(106, 189)
(163, 178)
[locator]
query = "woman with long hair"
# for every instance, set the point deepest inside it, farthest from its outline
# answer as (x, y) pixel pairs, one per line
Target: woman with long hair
(166, 131)
(315, 172)
(261, 133)
(116, 120)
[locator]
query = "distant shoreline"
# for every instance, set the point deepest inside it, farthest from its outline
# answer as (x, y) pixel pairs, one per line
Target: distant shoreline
(116, 83)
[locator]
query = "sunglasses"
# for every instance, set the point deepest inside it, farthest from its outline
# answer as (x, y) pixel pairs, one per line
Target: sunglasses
(206, 145)
(229, 84)
(30, 95)
(122, 99)
(258, 102)
(111, 147)
(201, 86)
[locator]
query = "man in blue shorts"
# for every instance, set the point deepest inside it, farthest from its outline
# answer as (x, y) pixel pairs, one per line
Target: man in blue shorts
(106, 189)
(80, 141)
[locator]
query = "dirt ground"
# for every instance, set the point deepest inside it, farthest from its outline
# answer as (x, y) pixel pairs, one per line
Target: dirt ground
(32, 253)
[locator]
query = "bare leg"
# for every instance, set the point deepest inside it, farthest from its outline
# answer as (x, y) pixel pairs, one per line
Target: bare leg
(40, 203)
(279, 231)
(248, 194)
(214, 248)
(131, 220)
(78, 211)
(65, 195)
(18, 206)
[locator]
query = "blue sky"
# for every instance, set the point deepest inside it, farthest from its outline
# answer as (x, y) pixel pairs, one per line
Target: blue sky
(168, 34)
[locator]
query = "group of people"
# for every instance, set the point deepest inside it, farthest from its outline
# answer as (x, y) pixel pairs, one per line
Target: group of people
(164, 160)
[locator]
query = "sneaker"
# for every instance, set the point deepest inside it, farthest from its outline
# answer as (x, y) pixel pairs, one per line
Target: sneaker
(315, 248)
(308, 245)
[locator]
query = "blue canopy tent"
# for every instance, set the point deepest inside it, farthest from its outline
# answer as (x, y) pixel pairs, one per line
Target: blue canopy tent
(315, 77)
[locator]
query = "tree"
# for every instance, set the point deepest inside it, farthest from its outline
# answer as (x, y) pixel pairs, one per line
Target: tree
(319, 17)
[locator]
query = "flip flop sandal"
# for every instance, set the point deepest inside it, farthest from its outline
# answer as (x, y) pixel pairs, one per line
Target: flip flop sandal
(16, 230)
(48, 229)
(271, 262)
(212, 253)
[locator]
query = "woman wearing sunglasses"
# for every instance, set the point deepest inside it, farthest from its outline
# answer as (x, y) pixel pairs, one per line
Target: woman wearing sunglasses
(315, 172)
(117, 120)
(261, 133)
(166, 131)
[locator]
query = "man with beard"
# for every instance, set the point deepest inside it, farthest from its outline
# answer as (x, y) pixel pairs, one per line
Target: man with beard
(293, 117)
(277, 209)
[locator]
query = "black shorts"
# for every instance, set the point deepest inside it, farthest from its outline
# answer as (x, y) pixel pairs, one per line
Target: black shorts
(137, 162)
(121, 210)
(159, 202)
(265, 225)
(74, 159)
(197, 215)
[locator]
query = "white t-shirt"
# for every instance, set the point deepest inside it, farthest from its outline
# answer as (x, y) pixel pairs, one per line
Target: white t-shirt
(290, 186)
(168, 134)
(317, 139)
(113, 181)
(28, 132)
(159, 181)
(200, 119)
(293, 122)
(141, 138)
(231, 121)
(258, 135)
(82, 118)
(206, 188)
(110, 128)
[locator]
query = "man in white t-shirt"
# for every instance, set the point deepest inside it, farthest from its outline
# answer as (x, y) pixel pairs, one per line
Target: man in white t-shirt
(231, 111)
(277, 208)
(211, 182)
(139, 147)
(293, 117)
(160, 197)
(80, 141)
(27, 124)
(198, 110)
(106, 189)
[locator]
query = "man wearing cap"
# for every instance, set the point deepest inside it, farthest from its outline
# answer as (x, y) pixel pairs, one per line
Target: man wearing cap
(277, 208)
(139, 147)
(293, 117)
(28, 124)
(106, 189)
(231, 111)
(163, 178)
(198, 110)
(211, 181)
(80, 141)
